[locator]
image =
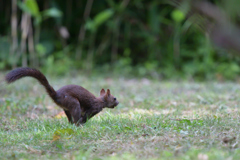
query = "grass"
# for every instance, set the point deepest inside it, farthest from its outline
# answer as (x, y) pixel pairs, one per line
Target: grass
(155, 120)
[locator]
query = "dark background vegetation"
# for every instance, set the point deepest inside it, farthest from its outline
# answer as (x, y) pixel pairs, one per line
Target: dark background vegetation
(158, 39)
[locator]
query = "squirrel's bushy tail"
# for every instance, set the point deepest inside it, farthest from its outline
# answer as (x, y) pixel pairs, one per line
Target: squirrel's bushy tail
(19, 73)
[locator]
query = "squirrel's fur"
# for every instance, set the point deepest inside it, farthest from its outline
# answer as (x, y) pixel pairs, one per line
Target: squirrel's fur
(78, 103)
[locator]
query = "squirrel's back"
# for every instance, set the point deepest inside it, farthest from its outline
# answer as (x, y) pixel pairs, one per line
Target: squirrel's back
(19, 73)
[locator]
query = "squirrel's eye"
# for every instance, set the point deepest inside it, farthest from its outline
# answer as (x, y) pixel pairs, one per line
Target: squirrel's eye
(115, 99)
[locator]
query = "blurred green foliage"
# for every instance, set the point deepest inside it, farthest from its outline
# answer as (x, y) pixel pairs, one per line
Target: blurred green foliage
(139, 37)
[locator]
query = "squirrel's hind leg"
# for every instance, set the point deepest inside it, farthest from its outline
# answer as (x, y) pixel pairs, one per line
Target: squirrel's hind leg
(73, 111)
(68, 114)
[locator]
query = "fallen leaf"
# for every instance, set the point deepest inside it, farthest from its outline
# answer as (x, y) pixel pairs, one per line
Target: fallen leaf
(68, 131)
(145, 134)
(55, 138)
(228, 139)
(32, 150)
(60, 115)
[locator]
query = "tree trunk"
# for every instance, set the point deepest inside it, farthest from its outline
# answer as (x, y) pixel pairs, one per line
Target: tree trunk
(25, 30)
(82, 29)
(14, 45)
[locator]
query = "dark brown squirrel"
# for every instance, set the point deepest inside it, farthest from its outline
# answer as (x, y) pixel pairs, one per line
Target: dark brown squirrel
(78, 103)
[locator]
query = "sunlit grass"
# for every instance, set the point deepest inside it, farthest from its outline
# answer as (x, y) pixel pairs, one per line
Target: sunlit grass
(155, 120)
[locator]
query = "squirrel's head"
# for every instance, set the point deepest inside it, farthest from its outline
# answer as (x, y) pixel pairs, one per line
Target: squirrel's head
(109, 100)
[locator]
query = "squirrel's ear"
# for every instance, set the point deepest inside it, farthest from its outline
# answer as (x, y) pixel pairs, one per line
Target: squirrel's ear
(102, 92)
(108, 92)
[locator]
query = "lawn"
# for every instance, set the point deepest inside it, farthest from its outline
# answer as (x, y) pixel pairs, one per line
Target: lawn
(154, 120)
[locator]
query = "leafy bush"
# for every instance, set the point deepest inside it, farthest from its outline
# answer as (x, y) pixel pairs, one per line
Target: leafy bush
(144, 38)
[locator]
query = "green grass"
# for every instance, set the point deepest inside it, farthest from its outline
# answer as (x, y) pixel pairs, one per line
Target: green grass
(154, 120)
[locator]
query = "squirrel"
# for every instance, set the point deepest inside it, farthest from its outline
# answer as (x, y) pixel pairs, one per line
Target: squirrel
(78, 103)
